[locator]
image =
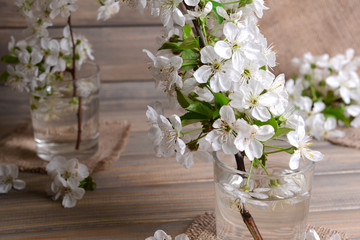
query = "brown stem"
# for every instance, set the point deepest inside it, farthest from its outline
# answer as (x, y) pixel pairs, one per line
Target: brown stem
(73, 74)
(197, 27)
(246, 216)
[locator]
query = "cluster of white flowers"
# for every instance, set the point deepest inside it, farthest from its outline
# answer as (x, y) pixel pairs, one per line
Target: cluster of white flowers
(66, 176)
(38, 61)
(224, 83)
(326, 92)
(161, 235)
(109, 8)
(9, 178)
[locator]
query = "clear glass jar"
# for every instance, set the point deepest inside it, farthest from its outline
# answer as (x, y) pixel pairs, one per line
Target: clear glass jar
(54, 113)
(278, 201)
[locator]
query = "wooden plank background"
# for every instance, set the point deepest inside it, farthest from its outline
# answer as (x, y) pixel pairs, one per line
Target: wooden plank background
(141, 193)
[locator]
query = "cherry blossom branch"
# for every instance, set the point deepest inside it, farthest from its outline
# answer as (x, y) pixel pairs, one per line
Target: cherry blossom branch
(197, 27)
(73, 74)
(245, 214)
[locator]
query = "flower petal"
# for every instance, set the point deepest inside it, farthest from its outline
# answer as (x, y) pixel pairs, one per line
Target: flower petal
(295, 160)
(223, 49)
(203, 74)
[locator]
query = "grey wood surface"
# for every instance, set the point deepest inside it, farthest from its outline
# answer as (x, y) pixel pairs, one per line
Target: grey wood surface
(141, 193)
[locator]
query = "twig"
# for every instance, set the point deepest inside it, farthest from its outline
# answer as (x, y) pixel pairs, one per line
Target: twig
(73, 73)
(197, 27)
(246, 216)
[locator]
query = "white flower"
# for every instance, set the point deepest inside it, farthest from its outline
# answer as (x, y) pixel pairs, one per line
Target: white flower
(67, 190)
(222, 137)
(201, 154)
(168, 138)
(258, 7)
(62, 7)
(8, 178)
(249, 138)
(106, 11)
(170, 13)
(164, 69)
(299, 140)
(238, 46)
(220, 73)
(345, 81)
(200, 12)
(252, 98)
(161, 235)
(51, 49)
(192, 3)
(354, 110)
(70, 170)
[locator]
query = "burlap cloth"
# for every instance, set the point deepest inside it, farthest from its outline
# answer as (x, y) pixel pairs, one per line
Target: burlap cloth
(203, 228)
(351, 139)
(19, 147)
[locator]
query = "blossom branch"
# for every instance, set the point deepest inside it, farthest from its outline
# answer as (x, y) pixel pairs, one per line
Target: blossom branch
(197, 27)
(245, 214)
(73, 74)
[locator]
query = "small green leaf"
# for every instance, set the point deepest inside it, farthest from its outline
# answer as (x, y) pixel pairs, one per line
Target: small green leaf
(175, 47)
(187, 31)
(191, 117)
(271, 122)
(281, 132)
(183, 100)
(338, 113)
(10, 59)
(201, 108)
(88, 183)
(74, 101)
(190, 43)
(4, 76)
(263, 68)
(33, 107)
(215, 5)
(220, 100)
(190, 60)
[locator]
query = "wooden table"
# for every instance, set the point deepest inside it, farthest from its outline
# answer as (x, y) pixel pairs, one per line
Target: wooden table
(141, 193)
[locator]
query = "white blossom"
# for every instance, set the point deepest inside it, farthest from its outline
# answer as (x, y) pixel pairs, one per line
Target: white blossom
(62, 7)
(225, 128)
(106, 11)
(9, 178)
(299, 140)
(249, 138)
(161, 235)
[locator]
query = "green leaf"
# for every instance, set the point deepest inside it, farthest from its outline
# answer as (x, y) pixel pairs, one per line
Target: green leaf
(191, 117)
(338, 113)
(190, 43)
(201, 108)
(74, 101)
(183, 100)
(190, 60)
(281, 132)
(271, 122)
(175, 47)
(187, 31)
(10, 59)
(220, 100)
(4, 76)
(215, 5)
(88, 183)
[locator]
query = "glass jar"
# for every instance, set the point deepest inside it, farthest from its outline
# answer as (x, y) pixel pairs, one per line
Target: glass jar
(59, 127)
(277, 200)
